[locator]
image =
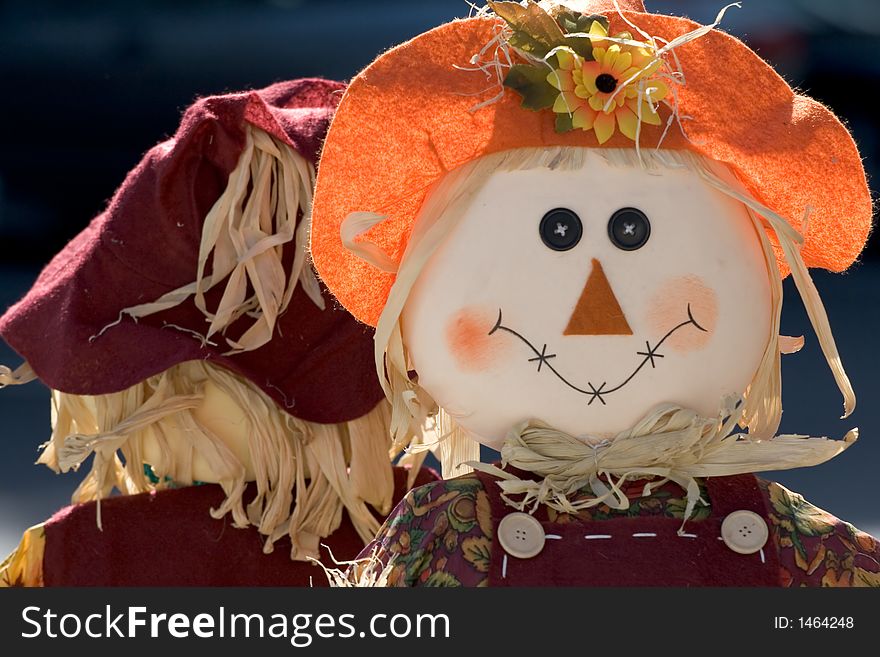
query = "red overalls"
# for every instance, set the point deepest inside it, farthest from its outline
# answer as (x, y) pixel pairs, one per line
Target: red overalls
(168, 538)
(638, 551)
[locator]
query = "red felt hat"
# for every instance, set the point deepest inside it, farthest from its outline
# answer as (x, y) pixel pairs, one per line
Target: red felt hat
(318, 364)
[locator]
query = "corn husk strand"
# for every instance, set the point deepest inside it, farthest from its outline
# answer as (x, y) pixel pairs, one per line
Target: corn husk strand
(242, 243)
(369, 454)
(326, 454)
(367, 572)
(17, 377)
(457, 449)
(791, 241)
(412, 456)
(440, 435)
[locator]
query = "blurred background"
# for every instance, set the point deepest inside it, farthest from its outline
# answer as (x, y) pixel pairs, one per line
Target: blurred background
(88, 87)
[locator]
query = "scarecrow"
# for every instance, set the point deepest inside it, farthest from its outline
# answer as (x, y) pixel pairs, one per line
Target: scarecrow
(570, 227)
(192, 352)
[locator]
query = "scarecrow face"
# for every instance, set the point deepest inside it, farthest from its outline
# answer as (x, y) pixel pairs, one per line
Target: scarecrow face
(584, 298)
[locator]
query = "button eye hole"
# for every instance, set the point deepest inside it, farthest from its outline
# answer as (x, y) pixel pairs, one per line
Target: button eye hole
(561, 229)
(629, 229)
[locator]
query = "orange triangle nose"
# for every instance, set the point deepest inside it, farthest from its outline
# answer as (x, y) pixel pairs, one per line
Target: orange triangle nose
(597, 311)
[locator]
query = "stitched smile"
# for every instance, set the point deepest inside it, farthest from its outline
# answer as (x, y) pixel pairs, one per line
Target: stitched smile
(648, 356)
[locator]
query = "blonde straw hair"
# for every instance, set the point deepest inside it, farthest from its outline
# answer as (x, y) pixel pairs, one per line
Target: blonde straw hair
(445, 206)
(302, 476)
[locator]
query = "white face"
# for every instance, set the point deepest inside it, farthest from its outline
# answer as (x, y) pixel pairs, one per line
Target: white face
(511, 322)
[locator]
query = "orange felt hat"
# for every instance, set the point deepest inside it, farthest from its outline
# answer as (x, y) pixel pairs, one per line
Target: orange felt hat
(409, 118)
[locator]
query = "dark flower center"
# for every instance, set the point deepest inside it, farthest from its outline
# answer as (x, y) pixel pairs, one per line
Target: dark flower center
(606, 83)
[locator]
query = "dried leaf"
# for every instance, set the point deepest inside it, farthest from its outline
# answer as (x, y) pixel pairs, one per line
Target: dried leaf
(531, 83)
(534, 30)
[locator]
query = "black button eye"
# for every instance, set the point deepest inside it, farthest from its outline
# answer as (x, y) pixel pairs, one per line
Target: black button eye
(561, 229)
(629, 229)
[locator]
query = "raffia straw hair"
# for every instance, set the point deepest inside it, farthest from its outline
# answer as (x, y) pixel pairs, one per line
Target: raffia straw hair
(445, 206)
(243, 238)
(300, 469)
(19, 376)
(367, 572)
(670, 442)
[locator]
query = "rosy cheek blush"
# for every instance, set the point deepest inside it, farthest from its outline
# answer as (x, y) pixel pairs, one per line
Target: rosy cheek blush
(669, 308)
(469, 342)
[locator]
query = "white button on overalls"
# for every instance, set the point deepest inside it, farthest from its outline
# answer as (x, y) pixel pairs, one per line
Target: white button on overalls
(744, 532)
(521, 535)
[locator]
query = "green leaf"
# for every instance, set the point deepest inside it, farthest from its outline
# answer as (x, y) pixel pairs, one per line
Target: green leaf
(563, 123)
(572, 22)
(568, 21)
(576, 23)
(531, 83)
(535, 32)
(799, 546)
(525, 42)
(442, 579)
(581, 45)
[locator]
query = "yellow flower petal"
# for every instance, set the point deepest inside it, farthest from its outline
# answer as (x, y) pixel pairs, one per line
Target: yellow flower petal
(582, 92)
(597, 34)
(624, 61)
(589, 72)
(604, 127)
(610, 58)
(583, 118)
(597, 101)
(649, 70)
(599, 54)
(628, 122)
(561, 80)
(648, 114)
(566, 103)
(651, 116)
(641, 57)
(656, 89)
(632, 74)
(566, 58)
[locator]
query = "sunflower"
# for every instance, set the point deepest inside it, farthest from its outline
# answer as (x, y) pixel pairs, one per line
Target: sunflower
(604, 94)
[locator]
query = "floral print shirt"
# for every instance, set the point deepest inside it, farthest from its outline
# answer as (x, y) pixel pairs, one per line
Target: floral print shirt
(441, 535)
